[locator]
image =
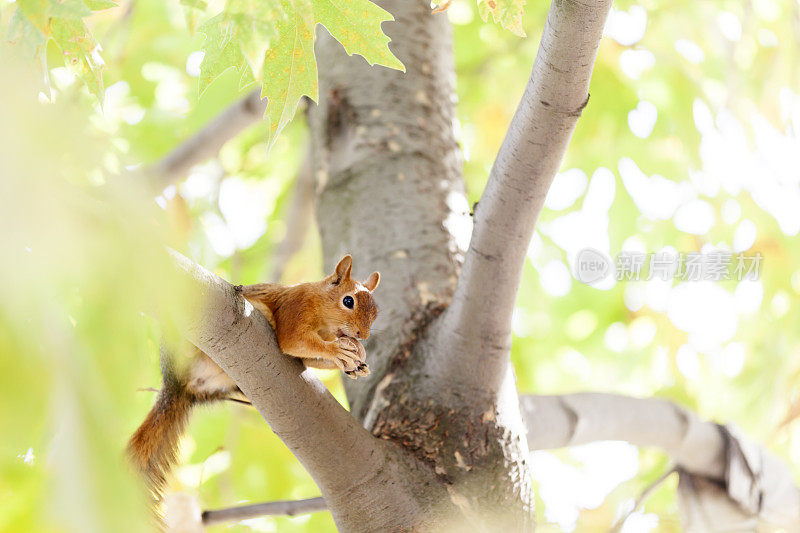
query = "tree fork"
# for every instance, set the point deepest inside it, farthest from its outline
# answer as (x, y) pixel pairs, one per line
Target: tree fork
(385, 140)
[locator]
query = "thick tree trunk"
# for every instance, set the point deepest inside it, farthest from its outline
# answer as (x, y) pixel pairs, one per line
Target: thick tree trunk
(390, 191)
(445, 445)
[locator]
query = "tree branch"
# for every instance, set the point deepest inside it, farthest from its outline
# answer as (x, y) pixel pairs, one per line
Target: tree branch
(363, 479)
(760, 483)
(477, 328)
(207, 142)
(243, 512)
(573, 419)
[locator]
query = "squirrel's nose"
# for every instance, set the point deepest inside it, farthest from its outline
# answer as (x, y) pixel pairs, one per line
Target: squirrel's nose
(363, 338)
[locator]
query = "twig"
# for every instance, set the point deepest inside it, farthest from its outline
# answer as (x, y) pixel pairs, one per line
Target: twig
(641, 499)
(243, 512)
(238, 400)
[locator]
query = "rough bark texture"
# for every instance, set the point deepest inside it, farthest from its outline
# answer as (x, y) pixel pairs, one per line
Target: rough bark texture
(386, 162)
(446, 467)
(363, 480)
(437, 437)
(437, 440)
(390, 191)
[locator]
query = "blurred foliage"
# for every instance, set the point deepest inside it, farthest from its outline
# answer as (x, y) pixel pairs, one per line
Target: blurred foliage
(35, 22)
(690, 141)
(269, 42)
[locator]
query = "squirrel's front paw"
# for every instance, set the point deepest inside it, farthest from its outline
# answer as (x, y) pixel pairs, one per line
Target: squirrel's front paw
(347, 354)
(361, 371)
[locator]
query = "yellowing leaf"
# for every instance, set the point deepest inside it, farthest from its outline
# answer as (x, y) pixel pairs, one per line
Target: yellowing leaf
(237, 37)
(221, 48)
(290, 69)
(36, 21)
(507, 13)
(357, 25)
(81, 51)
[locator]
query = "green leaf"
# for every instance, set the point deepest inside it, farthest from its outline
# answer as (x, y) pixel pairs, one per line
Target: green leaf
(507, 13)
(194, 11)
(24, 34)
(80, 51)
(290, 69)
(99, 5)
(237, 37)
(357, 25)
(274, 44)
(36, 21)
(221, 49)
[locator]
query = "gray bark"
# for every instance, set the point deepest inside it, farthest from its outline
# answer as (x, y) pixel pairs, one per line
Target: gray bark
(727, 483)
(573, 419)
(477, 326)
(363, 479)
(385, 163)
(390, 191)
(436, 439)
(243, 512)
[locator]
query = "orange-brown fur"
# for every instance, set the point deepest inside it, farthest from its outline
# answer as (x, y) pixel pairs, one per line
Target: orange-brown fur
(153, 447)
(323, 332)
(310, 321)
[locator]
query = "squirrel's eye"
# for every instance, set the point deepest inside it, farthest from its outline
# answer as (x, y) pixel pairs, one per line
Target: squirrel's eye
(348, 302)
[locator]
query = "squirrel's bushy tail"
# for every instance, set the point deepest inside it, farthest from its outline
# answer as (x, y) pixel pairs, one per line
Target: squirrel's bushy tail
(153, 448)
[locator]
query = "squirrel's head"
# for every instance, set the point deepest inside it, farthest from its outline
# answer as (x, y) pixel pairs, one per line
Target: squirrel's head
(354, 310)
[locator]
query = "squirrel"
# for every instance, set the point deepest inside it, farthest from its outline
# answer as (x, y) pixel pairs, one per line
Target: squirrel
(320, 322)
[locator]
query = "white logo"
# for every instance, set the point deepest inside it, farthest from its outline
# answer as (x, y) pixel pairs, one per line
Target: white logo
(592, 266)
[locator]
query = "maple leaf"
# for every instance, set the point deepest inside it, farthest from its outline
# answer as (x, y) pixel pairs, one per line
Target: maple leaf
(237, 37)
(507, 13)
(34, 22)
(276, 46)
(290, 64)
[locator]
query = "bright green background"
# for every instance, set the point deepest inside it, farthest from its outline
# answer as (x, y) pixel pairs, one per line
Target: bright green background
(82, 263)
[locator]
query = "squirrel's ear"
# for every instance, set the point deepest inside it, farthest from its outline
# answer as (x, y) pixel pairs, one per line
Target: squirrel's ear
(342, 271)
(372, 281)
